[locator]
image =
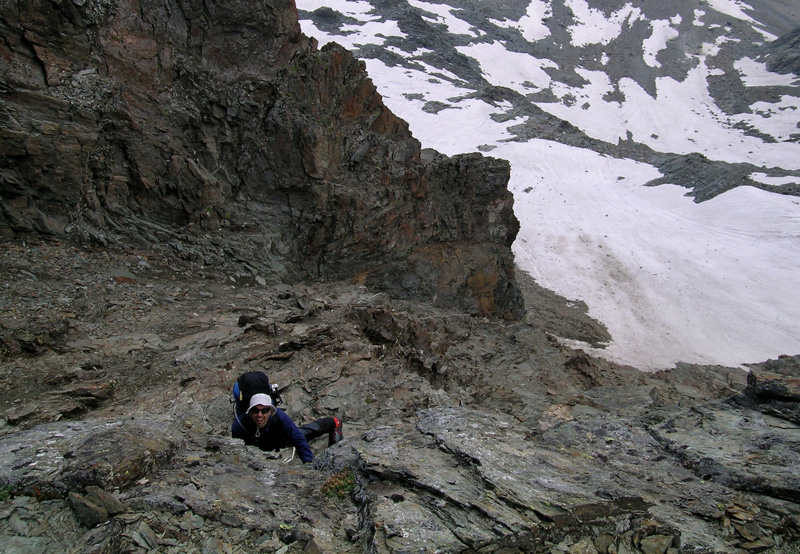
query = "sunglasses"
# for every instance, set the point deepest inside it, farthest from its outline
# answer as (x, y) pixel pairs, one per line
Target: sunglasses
(261, 411)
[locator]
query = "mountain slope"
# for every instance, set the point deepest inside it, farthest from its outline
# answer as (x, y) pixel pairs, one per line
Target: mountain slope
(655, 159)
(201, 149)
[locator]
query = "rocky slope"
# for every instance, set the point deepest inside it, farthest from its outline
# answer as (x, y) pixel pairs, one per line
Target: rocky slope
(210, 203)
(462, 434)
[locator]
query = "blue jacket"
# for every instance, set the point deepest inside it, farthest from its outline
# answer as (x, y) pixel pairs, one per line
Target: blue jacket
(279, 432)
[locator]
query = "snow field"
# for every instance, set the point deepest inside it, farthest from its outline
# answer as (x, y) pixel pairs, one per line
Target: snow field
(715, 282)
(673, 280)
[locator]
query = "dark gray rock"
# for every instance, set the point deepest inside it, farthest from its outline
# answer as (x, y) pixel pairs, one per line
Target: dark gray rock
(784, 53)
(288, 168)
(105, 500)
(557, 452)
(87, 512)
(763, 463)
(773, 388)
(51, 460)
(709, 178)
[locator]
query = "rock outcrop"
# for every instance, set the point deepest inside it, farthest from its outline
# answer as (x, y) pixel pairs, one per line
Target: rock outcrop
(217, 132)
(783, 54)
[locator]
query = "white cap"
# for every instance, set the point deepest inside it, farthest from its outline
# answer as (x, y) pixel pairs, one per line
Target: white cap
(262, 399)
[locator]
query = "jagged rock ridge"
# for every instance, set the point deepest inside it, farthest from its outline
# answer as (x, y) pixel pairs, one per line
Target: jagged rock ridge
(221, 134)
(783, 55)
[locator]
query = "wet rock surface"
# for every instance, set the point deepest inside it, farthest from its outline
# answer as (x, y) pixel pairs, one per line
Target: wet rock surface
(462, 434)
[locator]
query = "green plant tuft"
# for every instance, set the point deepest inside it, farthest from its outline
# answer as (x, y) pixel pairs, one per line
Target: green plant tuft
(340, 485)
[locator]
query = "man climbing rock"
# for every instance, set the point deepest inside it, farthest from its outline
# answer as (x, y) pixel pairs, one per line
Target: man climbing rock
(268, 428)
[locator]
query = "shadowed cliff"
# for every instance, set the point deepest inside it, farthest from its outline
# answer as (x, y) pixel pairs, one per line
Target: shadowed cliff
(219, 133)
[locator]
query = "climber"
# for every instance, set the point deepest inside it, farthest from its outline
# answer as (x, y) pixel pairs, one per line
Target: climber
(268, 428)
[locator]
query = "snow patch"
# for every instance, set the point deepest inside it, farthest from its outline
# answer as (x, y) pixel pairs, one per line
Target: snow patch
(663, 31)
(594, 27)
(778, 181)
(531, 25)
(509, 69)
(698, 15)
(733, 8)
(755, 74)
(445, 16)
(671, 279)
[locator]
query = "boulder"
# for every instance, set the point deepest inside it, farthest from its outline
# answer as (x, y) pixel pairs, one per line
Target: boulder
(52, 460)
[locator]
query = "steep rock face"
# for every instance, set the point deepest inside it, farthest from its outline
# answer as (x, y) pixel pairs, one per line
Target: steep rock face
(220, 133)
(783, 54)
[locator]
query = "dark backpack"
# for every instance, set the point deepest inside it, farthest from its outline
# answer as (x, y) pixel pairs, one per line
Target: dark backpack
(250, 383)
